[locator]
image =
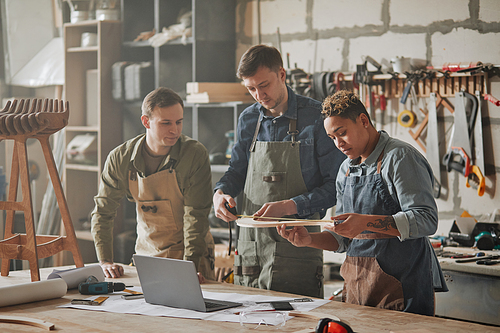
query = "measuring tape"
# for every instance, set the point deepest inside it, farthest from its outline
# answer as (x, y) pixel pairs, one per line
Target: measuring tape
(407, 118)
(96, 301)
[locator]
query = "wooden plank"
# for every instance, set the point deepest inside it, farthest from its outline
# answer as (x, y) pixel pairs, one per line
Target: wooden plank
(401, 87)
(251, 223)
(218, 98)
(463, 84)
(394, 88)
(416, 135)
(456, 85)
(230, 88)
(479, 83)
(442, 87)
(27, 321)
(471, 84)
(449, 87)
(427, 87)
(434, 85)
(420, 89)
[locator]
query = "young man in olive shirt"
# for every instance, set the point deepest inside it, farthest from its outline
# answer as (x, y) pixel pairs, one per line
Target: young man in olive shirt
(167, 175)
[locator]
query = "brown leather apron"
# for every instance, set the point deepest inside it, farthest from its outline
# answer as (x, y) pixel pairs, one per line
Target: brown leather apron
(160, 219)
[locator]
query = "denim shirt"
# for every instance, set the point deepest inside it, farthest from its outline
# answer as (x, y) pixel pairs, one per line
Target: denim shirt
(319, 158)
(408, 177)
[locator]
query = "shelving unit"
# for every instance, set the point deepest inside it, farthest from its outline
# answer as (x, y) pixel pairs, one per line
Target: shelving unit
(102, 120)
(235, 106)
(207, 56)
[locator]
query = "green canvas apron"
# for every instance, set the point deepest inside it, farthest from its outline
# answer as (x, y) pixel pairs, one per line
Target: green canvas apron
(160, 218)
(264, 259)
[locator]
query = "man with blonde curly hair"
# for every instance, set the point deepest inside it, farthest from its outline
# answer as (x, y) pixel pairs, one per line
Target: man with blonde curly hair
(385, 211)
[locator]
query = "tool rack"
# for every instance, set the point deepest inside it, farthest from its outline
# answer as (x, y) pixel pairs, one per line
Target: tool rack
(446, 85)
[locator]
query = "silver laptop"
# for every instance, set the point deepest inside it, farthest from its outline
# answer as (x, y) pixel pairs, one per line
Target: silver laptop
(174, 283)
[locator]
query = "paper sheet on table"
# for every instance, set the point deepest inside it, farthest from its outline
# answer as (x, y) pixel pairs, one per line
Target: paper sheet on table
(74, 276)
(139, 306)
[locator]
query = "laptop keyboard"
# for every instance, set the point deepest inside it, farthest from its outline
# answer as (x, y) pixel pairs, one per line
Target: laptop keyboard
(211, 305)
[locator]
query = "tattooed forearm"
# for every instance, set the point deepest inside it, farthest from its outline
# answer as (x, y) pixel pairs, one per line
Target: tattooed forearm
(385, 223)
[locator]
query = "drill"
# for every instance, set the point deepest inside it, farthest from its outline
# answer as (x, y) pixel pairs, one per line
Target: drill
(92, 286)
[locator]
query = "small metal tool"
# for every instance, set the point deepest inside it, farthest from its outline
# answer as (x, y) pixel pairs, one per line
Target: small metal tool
(478, 258)
(295, 300)
(487, 262)
(132, 296)
(97, 301)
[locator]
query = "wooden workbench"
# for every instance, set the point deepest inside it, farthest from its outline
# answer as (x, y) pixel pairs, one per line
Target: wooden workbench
(362, 319)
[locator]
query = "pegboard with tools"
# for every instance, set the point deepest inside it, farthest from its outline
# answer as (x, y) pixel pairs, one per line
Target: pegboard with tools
(393, 85)
(446, 86)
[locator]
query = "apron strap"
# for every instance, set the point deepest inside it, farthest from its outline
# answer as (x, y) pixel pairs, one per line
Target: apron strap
(379, 161)
(171, 164)
(379, 164)
(257, 128)
(292, 129)
(246, 270)
(132, 173)
(374, 235)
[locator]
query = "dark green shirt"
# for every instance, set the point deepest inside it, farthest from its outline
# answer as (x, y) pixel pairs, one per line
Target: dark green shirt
(195, 183)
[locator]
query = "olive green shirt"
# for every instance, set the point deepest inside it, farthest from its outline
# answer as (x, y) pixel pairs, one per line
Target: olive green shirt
(195, 183)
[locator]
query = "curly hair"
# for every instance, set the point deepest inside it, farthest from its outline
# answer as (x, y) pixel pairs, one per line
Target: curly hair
(345, 104)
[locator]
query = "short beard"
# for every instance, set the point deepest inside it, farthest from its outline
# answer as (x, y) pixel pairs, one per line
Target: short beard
(279, 100)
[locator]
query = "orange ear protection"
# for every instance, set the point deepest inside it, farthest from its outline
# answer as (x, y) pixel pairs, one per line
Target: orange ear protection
(327, 325)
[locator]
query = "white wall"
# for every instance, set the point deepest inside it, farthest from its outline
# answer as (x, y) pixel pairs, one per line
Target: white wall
(335, 35)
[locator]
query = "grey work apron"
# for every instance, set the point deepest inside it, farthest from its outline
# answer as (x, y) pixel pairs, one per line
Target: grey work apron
(264, 259)
(160, 218)
(380, 270)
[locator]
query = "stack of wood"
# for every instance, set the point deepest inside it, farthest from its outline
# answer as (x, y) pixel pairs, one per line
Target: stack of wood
(217, 92)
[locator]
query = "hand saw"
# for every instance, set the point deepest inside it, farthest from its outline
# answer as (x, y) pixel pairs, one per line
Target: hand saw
(432, 150)
(459, 154)
(476, 177)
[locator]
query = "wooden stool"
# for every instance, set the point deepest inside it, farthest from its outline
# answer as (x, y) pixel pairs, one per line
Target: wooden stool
(39, 121)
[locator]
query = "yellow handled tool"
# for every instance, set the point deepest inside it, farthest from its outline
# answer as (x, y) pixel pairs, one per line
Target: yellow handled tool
(477, 179)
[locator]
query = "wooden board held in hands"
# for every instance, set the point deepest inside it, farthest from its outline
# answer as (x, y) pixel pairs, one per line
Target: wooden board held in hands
(251, 223)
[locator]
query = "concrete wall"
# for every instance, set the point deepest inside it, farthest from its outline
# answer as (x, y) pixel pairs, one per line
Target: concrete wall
(335, 35)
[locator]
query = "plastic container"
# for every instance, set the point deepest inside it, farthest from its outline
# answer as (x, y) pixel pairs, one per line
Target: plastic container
(401, 64)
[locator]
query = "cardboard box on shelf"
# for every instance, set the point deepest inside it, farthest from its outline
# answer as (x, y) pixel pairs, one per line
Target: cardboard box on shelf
(217, 92)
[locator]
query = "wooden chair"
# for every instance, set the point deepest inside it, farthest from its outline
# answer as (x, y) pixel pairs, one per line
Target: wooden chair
(19, 122)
